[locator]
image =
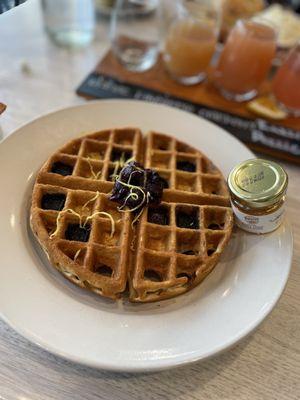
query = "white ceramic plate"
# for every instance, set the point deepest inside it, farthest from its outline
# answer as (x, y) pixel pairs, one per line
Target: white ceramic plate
(51, 312)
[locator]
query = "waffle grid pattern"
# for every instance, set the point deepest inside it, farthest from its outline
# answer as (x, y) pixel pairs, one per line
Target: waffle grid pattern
(99, 261)
(166, 155)
(171, 257)
(159, 259)
(90, 162)
(91, 159)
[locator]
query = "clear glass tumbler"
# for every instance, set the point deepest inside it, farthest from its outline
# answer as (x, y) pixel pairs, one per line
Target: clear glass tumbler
(191, 39)
(135, 33)
(245, 60)
(69, 23)
(286, 83)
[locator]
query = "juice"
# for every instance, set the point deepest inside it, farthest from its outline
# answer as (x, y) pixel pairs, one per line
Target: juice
(189, 48)
(286, 83)
(245, 60)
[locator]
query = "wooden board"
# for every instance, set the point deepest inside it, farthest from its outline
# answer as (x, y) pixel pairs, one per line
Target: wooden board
(279, 139)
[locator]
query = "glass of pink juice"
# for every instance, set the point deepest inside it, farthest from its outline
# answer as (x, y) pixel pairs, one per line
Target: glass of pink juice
(245, 60)
(286, 83)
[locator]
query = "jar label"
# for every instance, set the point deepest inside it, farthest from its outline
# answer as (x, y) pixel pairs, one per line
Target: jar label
(258, 223)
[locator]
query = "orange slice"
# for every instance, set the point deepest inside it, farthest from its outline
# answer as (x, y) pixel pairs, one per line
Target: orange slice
(266, 107)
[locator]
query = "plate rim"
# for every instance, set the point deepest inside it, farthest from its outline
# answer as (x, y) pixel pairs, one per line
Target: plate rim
(164, 363)
(15, 132)
(153, 365)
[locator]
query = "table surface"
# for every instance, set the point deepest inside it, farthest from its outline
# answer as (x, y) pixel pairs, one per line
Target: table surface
(37, 77)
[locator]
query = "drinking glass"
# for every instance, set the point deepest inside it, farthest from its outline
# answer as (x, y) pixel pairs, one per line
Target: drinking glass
(69, 23)
(286, 83)
(135, 33)
(191, 39)
(245, 60)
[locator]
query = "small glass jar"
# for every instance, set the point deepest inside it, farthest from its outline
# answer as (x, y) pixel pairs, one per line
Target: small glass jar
(257, 188)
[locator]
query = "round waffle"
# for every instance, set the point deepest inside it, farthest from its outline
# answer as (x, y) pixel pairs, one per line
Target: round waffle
(169, 250)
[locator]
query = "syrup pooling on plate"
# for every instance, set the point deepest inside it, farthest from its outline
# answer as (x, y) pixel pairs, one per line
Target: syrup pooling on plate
(113, 209)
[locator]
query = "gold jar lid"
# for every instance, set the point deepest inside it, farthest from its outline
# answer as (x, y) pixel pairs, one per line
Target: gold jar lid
(258, 183)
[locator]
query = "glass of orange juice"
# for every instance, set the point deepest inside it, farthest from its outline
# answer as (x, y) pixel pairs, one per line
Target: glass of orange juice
(191, 39)
(245, 60)
(286, 83)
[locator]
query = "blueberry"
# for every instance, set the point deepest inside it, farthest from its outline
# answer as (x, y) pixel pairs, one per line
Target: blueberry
(61, 168)
(146, 185)
(186, 166)
(132, 170)
(119, 193)
(185, 220)
(53, 201)
(154, 186)
(136, 178)
(104, 270)
(133, 202)
(78, 233)
(159, 216)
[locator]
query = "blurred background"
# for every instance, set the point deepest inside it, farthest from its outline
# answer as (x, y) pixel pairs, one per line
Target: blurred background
(232, 57)
(231, 10)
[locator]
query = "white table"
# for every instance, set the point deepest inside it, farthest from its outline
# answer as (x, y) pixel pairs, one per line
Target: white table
(37, 77)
